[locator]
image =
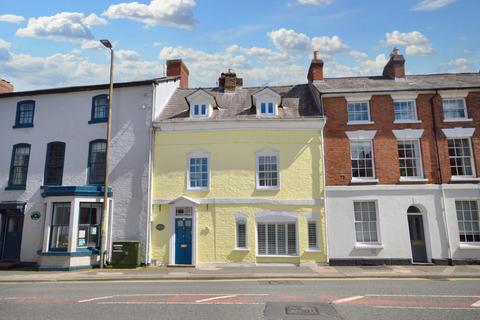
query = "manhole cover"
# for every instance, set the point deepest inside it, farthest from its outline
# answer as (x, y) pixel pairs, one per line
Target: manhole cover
(301, 310)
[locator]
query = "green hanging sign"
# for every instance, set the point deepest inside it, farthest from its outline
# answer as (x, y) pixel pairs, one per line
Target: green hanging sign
(35, 215)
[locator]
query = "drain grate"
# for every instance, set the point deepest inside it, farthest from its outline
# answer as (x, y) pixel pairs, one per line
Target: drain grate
(280, 282)
(300, 311)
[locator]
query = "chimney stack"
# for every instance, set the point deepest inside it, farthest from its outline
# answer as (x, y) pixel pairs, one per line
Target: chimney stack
(178, 68)
(5, 86)
(395, 67)
(228, 81)
(315, 72)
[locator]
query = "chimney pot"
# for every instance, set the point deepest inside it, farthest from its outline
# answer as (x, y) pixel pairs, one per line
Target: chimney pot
(176, 67)
(5, 86)
(395, 67)
(315, 72)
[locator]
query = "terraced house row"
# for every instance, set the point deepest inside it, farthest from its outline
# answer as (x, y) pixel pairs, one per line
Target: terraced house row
(359, 170)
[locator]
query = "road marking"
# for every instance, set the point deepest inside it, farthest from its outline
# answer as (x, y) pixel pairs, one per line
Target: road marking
(184, 303)
(189, 294)
(216, 298)
(95, 299)
(476, 304)
(425, 308)
(420, 295)
(348, 299)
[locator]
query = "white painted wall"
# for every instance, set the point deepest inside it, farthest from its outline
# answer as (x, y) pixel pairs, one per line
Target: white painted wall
(392, 204)
(64, 117)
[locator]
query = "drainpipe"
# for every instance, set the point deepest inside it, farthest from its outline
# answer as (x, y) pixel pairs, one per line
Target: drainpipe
(148, 234)
(440, 176)
(324, 182)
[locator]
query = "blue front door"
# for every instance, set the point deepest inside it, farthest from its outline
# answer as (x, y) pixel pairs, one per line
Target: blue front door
(183, 241)
(12, 226)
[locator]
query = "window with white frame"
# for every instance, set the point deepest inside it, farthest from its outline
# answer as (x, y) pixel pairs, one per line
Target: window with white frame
(454, 109)
(461, 161)
(362, 159)
(198, 175)
(277, 239)
(405, 110)
(312, 235)
(468, 221)
(267, 171)
(200, 110)
(358, 111)
(241, 233)
(409, 158)
(365, 221)
(267, 109)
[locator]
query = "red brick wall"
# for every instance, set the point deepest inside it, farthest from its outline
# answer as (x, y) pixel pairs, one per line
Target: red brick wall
(337, 145)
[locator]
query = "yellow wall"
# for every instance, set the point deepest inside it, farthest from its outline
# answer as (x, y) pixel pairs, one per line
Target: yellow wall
(232, 175)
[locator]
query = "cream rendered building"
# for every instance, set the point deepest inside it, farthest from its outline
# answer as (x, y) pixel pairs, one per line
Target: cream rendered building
(238, 177)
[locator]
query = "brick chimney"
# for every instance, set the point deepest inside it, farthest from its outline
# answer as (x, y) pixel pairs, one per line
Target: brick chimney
(315, 72)
(395, 67)
(5, 86)
(178, 68)
(228, 81)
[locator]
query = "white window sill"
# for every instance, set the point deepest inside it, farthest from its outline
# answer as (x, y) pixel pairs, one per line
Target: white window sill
(267, 188)
(407, 121)
(313, 250)
(198, 189)
(412, 179)
(366, 180)
(472, 246)
(368, 246)
(242, 249)
(464, 178)
(457, 120)
(353, 123)
(274, 256)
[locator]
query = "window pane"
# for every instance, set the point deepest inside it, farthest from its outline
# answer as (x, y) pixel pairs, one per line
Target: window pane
(277, 239)
(54, 163)
(365, 221)
(454, 108)
(468, 222)
(460, 157)
(267, 171)
(21, 158)
(361, 157)
(60, 226)
(358, 111)
(312, 235)
(25, 112)
(241, 235)
(97, 162)
(100, 107)
(262, 239)
(198, 172)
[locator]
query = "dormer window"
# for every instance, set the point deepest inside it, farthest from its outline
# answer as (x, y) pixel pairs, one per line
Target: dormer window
(200, 110)
(267, 102)
(201, 104)
(266, 109)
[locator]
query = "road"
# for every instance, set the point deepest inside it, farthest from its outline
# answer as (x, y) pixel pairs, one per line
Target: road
(269, 299)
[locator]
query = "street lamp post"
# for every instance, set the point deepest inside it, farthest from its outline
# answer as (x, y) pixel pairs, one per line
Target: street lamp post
(107, 45)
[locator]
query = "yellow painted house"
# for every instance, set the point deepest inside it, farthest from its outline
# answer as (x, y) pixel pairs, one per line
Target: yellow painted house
(238, 177)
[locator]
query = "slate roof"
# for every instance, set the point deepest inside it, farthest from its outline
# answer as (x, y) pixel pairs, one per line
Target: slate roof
(304, 101)
(411, 82)
(297, 102)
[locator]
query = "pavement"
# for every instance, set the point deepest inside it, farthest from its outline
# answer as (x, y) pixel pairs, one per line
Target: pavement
(273, 272)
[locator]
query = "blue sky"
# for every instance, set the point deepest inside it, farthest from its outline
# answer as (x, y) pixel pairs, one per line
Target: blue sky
(54, 43)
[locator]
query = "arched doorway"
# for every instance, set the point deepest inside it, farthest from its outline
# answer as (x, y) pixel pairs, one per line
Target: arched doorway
(417, 234)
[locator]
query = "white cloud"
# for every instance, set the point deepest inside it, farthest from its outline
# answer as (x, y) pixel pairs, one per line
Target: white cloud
(358, 54)
(431, 5)
(4, 50)
(328, 45)
(176, 13)
(457, 65)
(415, 42)
(316, 2)
(64, 26)
(127, 55)
(11, 18)
(290, 40)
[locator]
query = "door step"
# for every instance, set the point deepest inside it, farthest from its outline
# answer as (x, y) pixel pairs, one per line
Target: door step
(180, 265)
(6, 265)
